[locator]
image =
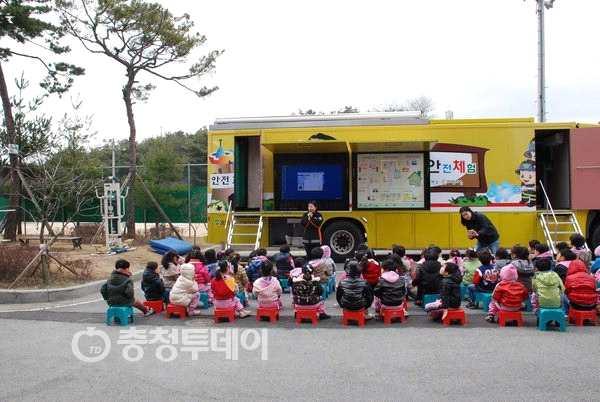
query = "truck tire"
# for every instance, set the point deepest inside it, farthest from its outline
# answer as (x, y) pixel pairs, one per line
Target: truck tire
(343, 238)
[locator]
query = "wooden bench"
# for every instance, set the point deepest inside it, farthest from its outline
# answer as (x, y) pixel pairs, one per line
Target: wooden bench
(75, 240)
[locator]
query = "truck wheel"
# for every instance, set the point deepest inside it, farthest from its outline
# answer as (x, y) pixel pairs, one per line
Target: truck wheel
(343, 238)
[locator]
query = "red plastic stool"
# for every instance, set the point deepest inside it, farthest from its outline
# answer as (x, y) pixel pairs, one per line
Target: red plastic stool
(358, 316)
(228, 313)
(578, 317)
(507, 316)
(311, 314)
(272, 313)
(390, 313)
(454, 314)
(179, 311)
(157, 305)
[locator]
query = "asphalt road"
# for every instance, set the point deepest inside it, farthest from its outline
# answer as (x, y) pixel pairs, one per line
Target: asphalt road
(415, 360)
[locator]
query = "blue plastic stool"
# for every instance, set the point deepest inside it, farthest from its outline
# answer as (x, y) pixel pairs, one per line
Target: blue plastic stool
(285, 284)
(122, 313)
(545, 315)
(464, 291)
(528, 306)
(429, 298)
(484, 299)
(325, 293)
(331, 283)
(242, 296)
(204, 300)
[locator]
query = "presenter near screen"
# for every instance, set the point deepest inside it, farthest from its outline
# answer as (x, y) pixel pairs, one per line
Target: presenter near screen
(311, 221)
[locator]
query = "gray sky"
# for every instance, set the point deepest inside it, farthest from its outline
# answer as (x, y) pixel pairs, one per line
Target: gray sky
(475, 57)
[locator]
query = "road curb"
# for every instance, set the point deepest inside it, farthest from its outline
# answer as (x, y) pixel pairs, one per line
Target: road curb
(10, 296)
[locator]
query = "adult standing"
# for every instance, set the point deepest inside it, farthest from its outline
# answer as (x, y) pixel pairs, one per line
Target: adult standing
(481, 228)
(312, 221)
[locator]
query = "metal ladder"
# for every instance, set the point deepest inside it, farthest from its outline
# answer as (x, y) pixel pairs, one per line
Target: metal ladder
(557, 225)
(240, 226)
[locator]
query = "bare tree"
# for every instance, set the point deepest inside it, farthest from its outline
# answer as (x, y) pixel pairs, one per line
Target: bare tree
(142, 37)
(422, 104)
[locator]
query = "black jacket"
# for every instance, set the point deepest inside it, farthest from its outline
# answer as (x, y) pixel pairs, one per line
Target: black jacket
(450, 291)
(118, 290)
(390, 293)
(428, 278)
(354, 294)
(306, 293)
(312, 228)
(282, 263)
(152, 285)
(482, 225)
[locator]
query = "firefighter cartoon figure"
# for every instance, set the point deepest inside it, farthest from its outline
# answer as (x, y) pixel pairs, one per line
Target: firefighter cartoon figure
(526, 172)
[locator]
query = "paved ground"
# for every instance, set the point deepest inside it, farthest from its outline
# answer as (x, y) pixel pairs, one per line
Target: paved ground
(415, 360)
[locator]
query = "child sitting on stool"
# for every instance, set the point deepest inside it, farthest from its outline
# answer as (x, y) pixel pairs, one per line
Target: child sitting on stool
(306, 291)
(485, 278)
(391, 289)
(449, 292)
(354, 293)
(548, 288)
(267, 289)
(152, 284)
(118, 289)
(428, 276)
(185, 291)
(223, 288)
(508, 294)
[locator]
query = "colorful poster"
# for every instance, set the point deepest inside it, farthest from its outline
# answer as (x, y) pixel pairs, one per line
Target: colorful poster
(220, 169)
(390, 180)
(454, 169)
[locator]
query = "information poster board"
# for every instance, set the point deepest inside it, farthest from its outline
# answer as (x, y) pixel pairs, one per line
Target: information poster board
(390, 180)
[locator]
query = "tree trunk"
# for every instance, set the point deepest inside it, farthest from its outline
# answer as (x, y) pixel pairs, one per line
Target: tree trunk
(14, 196)
(44, 259)
(132, 154)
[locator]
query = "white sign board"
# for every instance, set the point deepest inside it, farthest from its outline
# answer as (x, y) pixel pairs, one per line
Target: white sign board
(390, 180)
(221, 180)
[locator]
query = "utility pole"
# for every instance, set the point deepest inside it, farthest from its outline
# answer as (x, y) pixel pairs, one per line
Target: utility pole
(541, 5)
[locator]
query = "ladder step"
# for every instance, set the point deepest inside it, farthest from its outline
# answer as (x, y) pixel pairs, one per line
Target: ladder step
(243, 234)
(246, 224)
(563, 232)
(242, 244)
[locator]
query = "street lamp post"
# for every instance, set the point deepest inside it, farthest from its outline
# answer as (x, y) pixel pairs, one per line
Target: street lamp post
(541, 5)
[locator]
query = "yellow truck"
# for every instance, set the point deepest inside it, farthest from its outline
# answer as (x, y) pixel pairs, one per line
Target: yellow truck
(388, 178)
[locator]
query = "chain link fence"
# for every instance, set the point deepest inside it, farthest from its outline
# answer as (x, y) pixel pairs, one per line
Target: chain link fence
(185, 205)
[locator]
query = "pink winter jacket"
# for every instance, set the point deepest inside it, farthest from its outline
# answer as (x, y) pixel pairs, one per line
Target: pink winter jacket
(267, 290)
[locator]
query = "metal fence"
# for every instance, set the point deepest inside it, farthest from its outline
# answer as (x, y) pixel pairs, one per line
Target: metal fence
(185, 205)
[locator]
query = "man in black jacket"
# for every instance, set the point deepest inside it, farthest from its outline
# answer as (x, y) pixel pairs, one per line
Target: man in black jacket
(312, 221)
(354, 293)
(118, 290)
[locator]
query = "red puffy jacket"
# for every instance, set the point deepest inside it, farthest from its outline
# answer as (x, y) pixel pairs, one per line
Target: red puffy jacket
(371, 272)
(220, 290)
(510, 293)
(580, 286)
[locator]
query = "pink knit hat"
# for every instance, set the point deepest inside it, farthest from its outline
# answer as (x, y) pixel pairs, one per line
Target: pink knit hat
(597, 251)
(509, 273)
